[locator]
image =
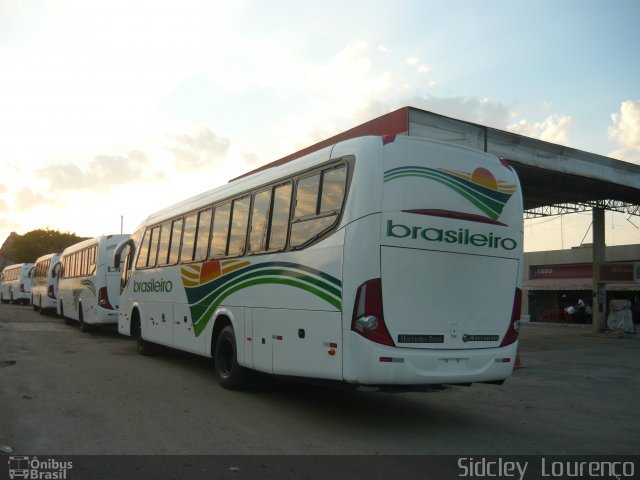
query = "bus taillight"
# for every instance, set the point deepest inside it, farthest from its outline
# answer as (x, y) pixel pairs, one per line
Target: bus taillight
(51, 292)
(103, 299)
(514, 325)
(368, 318)
(388, 139)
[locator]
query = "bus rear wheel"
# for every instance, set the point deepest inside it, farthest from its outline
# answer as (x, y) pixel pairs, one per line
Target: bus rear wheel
(84, 326)
(230, 374)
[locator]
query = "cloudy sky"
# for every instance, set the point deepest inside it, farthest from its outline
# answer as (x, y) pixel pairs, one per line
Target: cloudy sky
(119, 108)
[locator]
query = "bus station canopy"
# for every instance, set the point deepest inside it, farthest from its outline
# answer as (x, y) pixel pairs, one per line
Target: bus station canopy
(555, 179)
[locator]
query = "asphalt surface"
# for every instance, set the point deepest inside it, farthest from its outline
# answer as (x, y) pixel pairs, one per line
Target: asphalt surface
(63, 392)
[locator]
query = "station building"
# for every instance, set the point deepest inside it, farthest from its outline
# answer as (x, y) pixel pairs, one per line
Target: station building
(554, 280)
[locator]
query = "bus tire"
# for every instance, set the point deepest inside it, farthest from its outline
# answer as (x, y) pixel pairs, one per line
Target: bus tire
(84, 326)
(230, 374)
(144, 347)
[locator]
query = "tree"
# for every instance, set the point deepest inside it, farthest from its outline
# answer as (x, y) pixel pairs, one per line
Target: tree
(28, 247)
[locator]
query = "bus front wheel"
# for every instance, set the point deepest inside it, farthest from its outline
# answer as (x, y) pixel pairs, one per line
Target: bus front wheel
(230, 374)
(144, 347)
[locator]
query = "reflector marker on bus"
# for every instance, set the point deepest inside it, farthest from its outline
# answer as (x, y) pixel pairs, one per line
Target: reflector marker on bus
(391, 360)
(503, 360)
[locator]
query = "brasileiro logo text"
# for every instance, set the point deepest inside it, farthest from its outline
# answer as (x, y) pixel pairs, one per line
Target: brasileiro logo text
(153, 286)
(461, 236)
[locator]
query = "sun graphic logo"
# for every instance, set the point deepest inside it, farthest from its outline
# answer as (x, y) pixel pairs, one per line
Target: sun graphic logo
(479, 187)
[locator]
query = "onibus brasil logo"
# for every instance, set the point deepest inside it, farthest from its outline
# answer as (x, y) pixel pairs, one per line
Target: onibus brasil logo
(479, 187)
(208, 284)
(40, 469)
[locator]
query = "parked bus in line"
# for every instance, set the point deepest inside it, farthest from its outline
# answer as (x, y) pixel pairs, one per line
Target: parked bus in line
(44, 292)
(379, 261)
(15, 283)
(88, 285)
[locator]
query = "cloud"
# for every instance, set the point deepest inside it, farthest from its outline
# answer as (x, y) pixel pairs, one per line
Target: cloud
(199, 150)
(103, 172)
(26, 199)
(63, 176)
(553, 129)
(471, 109)
(420, 67)
(626, 131)
(626, 125)
(631, 155)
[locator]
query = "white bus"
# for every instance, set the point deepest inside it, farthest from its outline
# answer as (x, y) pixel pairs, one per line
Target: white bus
(15, 283)
(379, 261)
(44, 291)
(88, 286)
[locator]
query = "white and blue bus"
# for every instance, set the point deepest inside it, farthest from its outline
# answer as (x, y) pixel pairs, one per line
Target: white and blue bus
(378, 261)
(15, 283)
(88, 285)
(44, 291)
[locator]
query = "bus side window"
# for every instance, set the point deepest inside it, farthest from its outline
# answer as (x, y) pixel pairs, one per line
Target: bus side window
(239, 224)
(153, 247)
(318, 203)
(280, 218)
(204, 231)
(333, 184)
(259, 220)
(83, 262)
(307, 196)
(143, 256)
(220, 231)
(174, 249)
(92, 259)
(188, 238)
(163, 247)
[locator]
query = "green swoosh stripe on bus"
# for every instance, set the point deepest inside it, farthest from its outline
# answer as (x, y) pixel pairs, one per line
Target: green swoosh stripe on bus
(88, 284)
(206, 288)
(204, 299)
(491, 202)
(209, 290)
(203, 313)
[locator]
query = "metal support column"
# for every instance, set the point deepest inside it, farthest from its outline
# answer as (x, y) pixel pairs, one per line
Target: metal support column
(599, 291)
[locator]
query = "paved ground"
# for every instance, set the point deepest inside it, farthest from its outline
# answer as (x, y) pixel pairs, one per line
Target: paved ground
(64, 392)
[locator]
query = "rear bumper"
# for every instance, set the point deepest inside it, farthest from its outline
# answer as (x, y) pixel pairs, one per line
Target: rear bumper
(367, 363)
